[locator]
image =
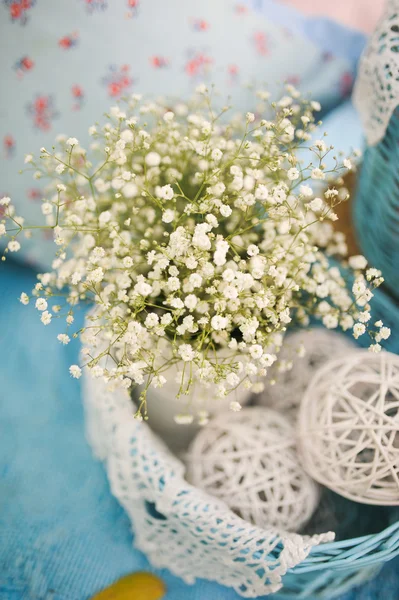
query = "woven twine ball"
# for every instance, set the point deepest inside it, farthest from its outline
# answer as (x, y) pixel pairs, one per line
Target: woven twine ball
(349, 427)
(249, 460)
(319, 345)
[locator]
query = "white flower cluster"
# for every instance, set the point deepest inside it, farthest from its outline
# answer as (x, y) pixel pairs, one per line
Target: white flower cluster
(198, 238)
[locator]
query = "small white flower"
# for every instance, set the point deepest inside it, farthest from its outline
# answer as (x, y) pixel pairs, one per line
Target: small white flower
(173, 284)
(2, 229)
(235, 406)
(28, 158)
(60, 169)
(168, 116)
(166, 192)
(306, 191)
(330, 321)
(375, 348)
(69, 319)
(250, 117)
(347, 164)
(166, 319)
(256, 351)
(182, 419)
(104, 217)
(252, 250)
(365, 316)
(41, 304)
(130, 190)
(317, 174)
(358, 330)
(358, 288)
(261, 192)
(96, 275)
(201, 88)
(385, 332)
(191, 301)
(13, 246)
(46, 317)
(292, 174)
(75, 371)
(24, 298)
(216, 154)
(225, 210)
(152, 159)
(47, 208)
(5, 201)
(97, 371)
(168, 215)
(316, 204)
(232, 379)
(218, 322)
(158, 381)
(228, 275)
(72, 141)
(92, 130)
(320, 145)
(63, 338)
(195, 280)
(61, 187)
(127, 262)
(151, 320)
(186, 352)
(358, 262)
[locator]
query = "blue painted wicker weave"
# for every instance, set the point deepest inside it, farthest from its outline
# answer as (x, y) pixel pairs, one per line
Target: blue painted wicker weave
(376, 206)
(332, 569)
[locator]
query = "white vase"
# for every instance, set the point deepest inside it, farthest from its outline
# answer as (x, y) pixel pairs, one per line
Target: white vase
(163, 406)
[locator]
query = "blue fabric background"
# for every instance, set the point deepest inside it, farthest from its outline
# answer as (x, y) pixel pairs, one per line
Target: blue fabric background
(62, 534)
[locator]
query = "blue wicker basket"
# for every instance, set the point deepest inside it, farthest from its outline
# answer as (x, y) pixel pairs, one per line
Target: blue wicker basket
(366, 536)
(332, 569)
(376, 206)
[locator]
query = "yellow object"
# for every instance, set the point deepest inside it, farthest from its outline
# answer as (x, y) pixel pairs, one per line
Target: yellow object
(137, 586)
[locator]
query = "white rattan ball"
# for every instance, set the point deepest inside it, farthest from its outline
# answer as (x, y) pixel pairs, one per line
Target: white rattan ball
(249, 460)
(318, 345)
(349, 427)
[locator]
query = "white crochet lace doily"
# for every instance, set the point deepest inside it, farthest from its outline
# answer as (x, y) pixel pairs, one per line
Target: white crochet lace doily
(376, 92)
(177, 525)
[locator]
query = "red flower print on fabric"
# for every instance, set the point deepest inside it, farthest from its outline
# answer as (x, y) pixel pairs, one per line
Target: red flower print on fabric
(346, 84)
(233, 73)
(199, 24)
(78, 96)
(293, 79)
(8, 145)
(260, 41)
(159, 62)
(118, 80)
(95, 5)
(34, 194)
(43, 111)
(198, 65)
(241, 9)
(23, 65)
(69, 41)
(327, 57)
(133, 6)
(19, 10)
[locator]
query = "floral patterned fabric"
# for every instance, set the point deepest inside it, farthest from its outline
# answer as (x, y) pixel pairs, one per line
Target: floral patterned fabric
(68, 61)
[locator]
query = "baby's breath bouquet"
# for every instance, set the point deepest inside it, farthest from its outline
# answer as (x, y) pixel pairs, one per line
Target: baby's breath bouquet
(198, 238)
